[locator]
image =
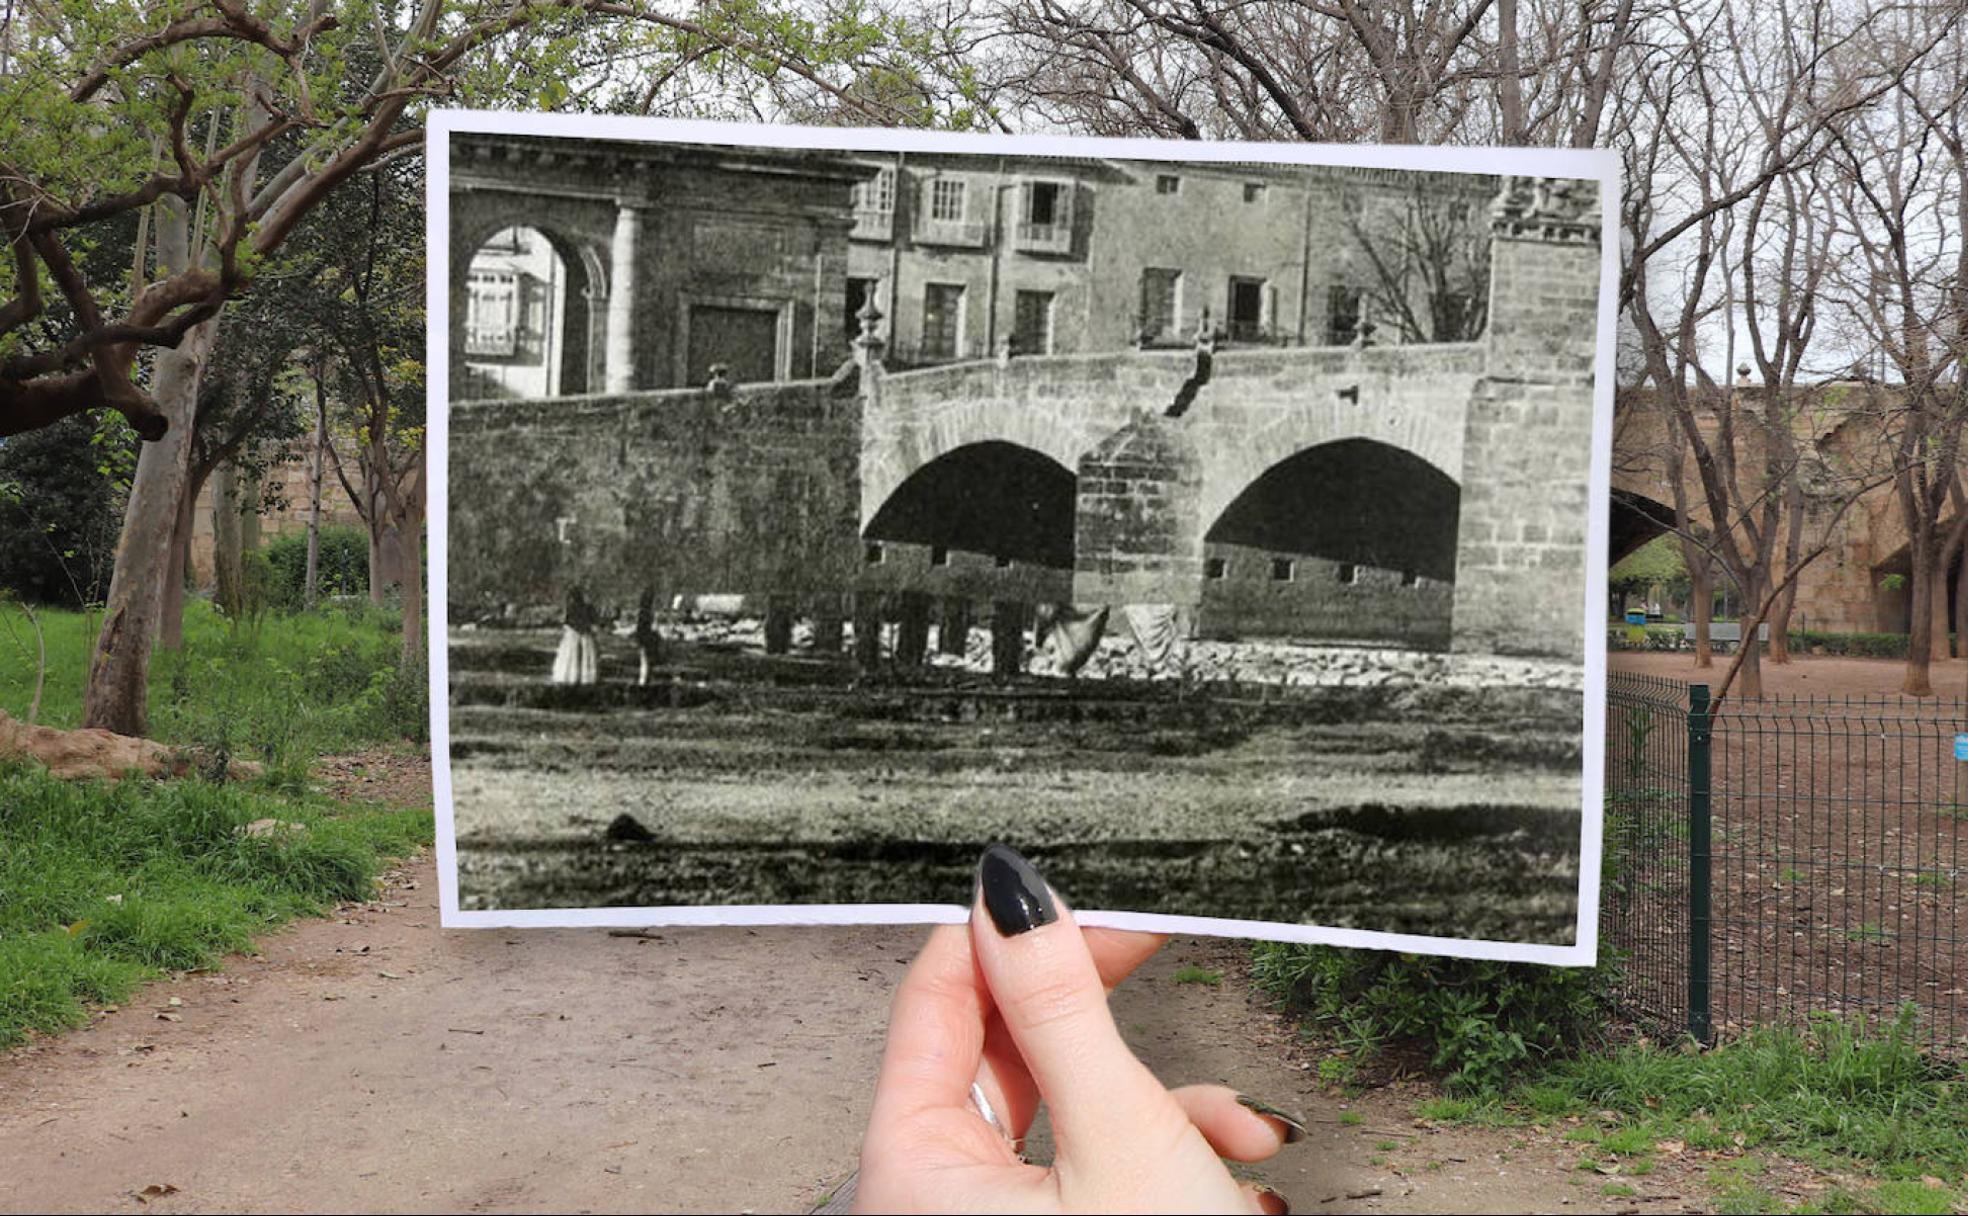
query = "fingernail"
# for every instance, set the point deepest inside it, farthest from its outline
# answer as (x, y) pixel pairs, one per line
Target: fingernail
(1272, 1200)
(1294, 1126)
(1014, 894)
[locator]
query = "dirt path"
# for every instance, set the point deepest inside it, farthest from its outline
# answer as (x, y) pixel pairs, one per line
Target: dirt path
(369, 1061)
(1807, 676)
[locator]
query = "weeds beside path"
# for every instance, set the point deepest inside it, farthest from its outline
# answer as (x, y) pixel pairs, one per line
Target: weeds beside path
(104, 885)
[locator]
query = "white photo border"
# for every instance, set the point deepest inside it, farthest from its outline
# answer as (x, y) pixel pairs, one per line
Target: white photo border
(1599, 165)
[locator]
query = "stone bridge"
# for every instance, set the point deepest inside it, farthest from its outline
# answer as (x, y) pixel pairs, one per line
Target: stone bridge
(1428, 494)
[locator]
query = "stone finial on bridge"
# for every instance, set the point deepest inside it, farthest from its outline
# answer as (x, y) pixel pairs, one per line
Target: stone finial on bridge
(869, 345)
(1547, 209)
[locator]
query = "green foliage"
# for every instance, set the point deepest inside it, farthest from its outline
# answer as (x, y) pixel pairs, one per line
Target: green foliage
(1832, 1091)
(1656, 563)
(102, 886)
(1860, 645)
(1802, 641)
(1190, 973)
(342, 566)
(59, 516)
(1478, 1021)
(295, 688)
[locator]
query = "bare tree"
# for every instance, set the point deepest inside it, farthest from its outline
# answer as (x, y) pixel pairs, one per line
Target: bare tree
(1904, 287)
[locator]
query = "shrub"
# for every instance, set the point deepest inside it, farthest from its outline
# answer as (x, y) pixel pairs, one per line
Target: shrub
(1863, 645)
(1478, 1021)
(342, 565)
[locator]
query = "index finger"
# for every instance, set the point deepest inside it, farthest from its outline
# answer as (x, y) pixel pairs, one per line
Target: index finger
(935, 1032)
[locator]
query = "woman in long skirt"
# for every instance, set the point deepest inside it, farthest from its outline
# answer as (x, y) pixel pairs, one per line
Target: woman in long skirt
(575, 661)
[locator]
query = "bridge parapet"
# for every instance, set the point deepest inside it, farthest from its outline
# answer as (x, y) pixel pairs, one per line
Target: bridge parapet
(1260, 406)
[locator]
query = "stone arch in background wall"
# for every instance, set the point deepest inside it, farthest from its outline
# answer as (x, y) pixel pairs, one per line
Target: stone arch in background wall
(577, 232)
(532, 321)
(1636, 519)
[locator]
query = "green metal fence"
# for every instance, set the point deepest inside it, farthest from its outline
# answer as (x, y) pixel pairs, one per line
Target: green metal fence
(1785, 856)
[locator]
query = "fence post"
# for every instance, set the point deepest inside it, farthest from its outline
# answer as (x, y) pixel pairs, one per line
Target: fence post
(1701, 732)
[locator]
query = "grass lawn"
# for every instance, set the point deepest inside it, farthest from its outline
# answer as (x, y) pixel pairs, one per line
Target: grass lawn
(105, 885)
(1869, 1109)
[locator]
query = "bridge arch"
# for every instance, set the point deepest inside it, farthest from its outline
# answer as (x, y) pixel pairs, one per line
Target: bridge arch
(1010, 501)
(1357, 502)
(1422, 417)
(1352, 540)
(929, 414)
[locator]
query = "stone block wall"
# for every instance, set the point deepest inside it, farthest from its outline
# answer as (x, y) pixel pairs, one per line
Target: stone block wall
(1520, 554)
(1318, 602)
(680, 492)
(1138, 537)
(1528, 438)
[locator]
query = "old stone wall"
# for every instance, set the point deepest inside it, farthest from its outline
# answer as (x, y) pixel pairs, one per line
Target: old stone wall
(1520, 562)
(1138, 536)
(1317, 599)
(680, 492)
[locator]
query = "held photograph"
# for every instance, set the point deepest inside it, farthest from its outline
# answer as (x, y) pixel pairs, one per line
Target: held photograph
(1222, 526)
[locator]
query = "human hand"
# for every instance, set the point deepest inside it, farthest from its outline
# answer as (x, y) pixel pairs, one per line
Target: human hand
(1015, 1004)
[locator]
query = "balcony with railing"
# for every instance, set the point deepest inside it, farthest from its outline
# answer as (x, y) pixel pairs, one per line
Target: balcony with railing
(871, 224)
(491, 341)
(963, 234)
(1054, 238)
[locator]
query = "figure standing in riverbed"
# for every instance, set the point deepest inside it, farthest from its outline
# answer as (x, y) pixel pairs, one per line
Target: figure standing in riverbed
(576, 660)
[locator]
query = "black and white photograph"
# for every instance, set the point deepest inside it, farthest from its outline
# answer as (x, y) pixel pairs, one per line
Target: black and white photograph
(1221, 526)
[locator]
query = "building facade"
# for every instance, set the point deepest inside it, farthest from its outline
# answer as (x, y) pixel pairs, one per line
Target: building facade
(761, 263)
(970, 257)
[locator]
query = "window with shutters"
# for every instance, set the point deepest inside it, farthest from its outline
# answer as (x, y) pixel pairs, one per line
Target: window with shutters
(1161, 303)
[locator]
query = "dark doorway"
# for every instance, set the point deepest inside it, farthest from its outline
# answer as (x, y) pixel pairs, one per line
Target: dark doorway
(744, 340)
(1246, 309)
(1032, 323)
(942, 324)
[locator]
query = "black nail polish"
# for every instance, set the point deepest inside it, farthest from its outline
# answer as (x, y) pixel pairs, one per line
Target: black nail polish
(1014, 894)
(1294, 1126)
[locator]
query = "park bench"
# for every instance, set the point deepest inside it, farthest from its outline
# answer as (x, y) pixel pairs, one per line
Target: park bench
(1723, 635)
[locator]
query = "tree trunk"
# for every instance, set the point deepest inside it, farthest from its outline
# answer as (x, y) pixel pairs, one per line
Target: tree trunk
(1701, 603)
(251, 490)
(1793, 547)
(1920, 617)
(170, 630)
(117, 695)
(1937, 612)
(315, 471)
(410, 559)
(382, 556)
(1749, 678)
(1961, 606)
(226, 561)
(119, 672)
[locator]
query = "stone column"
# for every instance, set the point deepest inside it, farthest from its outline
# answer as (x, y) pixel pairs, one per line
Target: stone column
(622, 282)
(912, 633)
(1527, 439)
(867, 630)
(953, 629)
(1007, 637)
